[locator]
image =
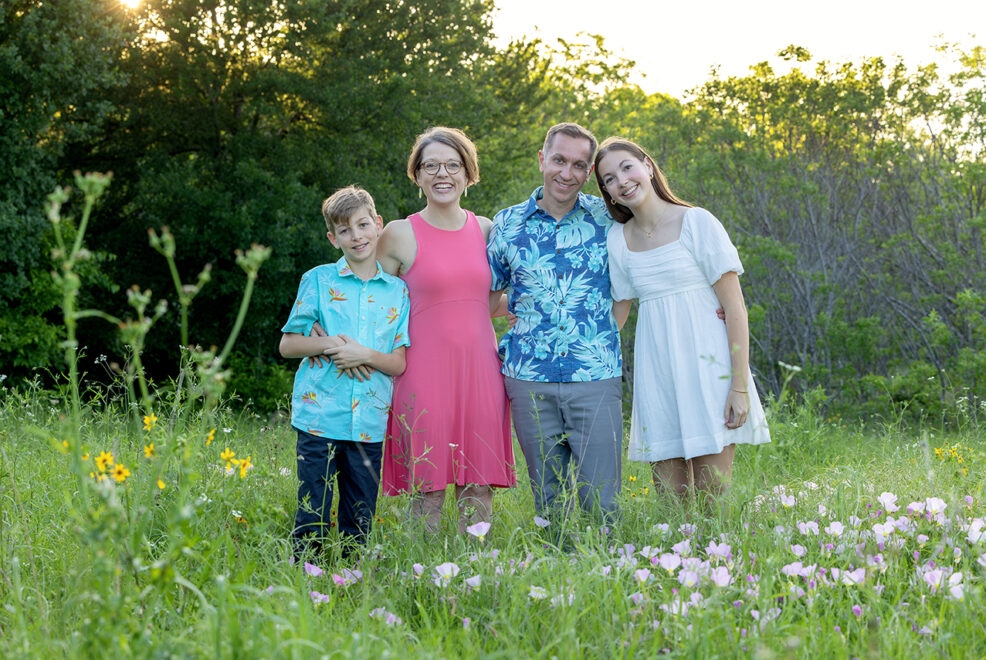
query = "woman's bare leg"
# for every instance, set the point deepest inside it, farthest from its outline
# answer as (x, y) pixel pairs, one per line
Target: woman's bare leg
(427, 508)
(671, 477)
(475, 504)
(712, 474)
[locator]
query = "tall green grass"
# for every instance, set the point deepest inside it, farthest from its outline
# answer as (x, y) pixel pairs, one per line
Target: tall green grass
(201, 567)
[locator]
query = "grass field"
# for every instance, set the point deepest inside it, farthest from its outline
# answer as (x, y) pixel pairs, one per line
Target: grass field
(832, 542)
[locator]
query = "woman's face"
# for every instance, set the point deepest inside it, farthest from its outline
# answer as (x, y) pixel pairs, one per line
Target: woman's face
(442, 187)
(626, 179)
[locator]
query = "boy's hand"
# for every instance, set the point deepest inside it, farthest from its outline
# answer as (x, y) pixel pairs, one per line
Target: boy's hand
(349, 355)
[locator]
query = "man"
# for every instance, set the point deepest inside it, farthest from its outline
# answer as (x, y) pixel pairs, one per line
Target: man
(562, 358)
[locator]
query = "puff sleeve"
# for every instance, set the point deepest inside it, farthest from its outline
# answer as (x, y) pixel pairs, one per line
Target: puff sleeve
(705, 237)
(619, 278)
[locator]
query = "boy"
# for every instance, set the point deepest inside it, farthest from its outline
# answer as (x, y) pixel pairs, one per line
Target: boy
(341, 419)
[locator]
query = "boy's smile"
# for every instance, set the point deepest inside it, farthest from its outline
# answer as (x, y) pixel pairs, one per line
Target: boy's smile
(357, 237)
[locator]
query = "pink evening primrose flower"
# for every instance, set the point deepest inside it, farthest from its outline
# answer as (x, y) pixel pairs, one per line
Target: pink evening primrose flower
(682, 548)
(808, 528)
(888, 501)
(312, 569)
(857, 611)
(382, 614)
(799, 550)
(479, 530)
(788, 501)
(444, 573)
(347, 577)
(968, 500)
(721, 550)
(541, 522)
(977, 532)
(475, 581)
(955, 586)
(687, 529)
(318, 598)
(720, 576)
(670, 562)
(637, 598)
(642, 575)
(835, 528)
(935, 505)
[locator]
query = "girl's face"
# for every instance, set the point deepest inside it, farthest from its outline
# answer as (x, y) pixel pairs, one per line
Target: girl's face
(626, 179)
(441, 187)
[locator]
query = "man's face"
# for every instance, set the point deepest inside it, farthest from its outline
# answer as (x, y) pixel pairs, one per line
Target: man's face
(566, 166)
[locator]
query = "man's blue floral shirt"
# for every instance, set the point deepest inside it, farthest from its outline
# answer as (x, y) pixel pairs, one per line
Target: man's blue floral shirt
(557, 278)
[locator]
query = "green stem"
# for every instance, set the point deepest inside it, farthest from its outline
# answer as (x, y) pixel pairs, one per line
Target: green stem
(240, 317)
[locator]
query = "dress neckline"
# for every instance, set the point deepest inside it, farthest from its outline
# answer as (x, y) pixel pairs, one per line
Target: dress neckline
(465, 223)
(658, 247)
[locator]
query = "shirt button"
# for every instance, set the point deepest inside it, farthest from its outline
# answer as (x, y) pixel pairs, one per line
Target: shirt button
(564, 353)
(559, 277)
(558, 251)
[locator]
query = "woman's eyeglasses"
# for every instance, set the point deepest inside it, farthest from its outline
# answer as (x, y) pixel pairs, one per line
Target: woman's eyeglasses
(432, 166)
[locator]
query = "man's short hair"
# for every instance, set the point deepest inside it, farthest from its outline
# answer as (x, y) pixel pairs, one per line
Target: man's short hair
(572, 130)
(343, 203)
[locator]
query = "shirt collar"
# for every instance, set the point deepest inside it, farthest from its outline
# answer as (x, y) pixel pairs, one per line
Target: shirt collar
(532, 203)
(342, 267)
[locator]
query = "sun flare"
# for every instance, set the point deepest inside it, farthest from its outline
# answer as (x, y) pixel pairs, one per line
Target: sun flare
(130, 4)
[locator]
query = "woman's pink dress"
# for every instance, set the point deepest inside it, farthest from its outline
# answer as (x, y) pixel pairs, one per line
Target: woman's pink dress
(450, 421)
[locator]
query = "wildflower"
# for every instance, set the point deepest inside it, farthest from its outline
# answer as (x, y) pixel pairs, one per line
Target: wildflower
(669, 562)
(637, 598)
(642, 575)
(888, 501)
(977, 532)
(312, 569)
(347, 577)
(465, 623)
(474, 582)
(227, 456)
(318, 598)
(245, 465)
(955, 586)
(120, 473)
(210, 437)
(150, 421)
(799, 550)
(479, 530)
(105, 458)
(541, 522)
(835, 528)
(149, 450)
(85, 456)
(161, 484)
(389, 618)
(537, 593)
(857, 611)
(808, 528)
(444, 574)
(683, 547)
(720, 576)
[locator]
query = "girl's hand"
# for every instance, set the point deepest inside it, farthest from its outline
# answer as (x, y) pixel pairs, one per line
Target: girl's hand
(737, 409)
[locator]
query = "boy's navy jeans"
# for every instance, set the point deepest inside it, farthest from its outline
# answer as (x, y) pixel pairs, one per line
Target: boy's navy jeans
(356, 468)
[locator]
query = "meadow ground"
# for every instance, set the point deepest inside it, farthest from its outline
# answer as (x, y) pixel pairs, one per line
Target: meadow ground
(834, 541)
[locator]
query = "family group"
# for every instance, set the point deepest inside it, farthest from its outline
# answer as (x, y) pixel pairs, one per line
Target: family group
(415, 394)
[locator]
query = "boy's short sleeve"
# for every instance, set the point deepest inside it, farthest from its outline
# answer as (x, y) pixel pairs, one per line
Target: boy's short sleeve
(304, 312)
(619, 280)
(495, 255)
(707, 240)
(402, 338)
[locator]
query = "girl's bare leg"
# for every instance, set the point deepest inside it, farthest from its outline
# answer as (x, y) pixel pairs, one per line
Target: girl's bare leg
(475, 504)
(427, 508)
(671, 477)
(712, 474)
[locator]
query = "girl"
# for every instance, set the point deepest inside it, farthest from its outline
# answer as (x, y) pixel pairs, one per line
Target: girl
(693, 397)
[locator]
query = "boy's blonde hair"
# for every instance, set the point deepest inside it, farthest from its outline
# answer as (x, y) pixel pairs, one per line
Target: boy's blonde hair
(340, 206)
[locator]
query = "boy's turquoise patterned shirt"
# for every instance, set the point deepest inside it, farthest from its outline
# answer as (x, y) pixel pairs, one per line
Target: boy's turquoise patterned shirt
(325, 401)
(557, 276)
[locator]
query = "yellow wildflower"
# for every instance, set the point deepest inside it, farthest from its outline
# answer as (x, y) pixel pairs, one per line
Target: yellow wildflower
(120, 473)
(209, 438)
(105, 458)
(227, 455)
(149, 450)
(149, 421)
(245, 465)
(160, 484)
(85, 456)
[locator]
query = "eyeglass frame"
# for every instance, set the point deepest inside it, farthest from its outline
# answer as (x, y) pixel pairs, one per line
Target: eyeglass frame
(457, 165)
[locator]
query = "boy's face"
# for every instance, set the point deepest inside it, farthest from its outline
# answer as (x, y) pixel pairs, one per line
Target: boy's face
(357, 237)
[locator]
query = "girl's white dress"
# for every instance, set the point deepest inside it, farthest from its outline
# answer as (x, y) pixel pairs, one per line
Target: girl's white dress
(681, 360)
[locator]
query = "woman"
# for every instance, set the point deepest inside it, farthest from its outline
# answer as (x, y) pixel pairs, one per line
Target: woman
(449, 421)
(694, 397)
